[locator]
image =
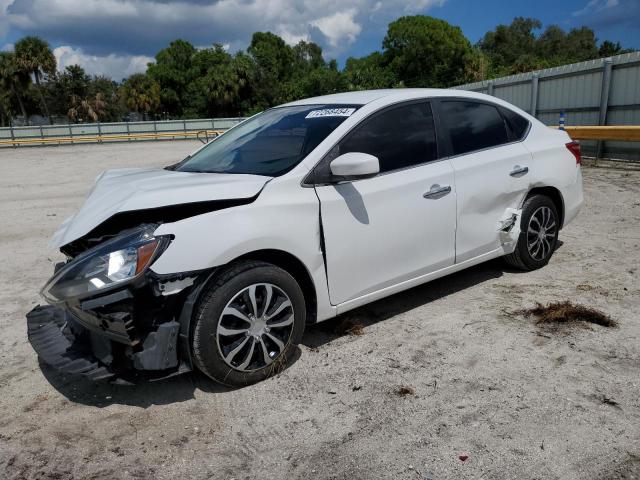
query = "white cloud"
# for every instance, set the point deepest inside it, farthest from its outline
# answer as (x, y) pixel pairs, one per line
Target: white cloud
(594, 6)
(144, 26)
(112, 65)
(4, 18)
(339, 28)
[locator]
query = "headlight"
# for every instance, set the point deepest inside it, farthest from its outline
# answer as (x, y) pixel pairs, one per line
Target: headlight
(114, 262)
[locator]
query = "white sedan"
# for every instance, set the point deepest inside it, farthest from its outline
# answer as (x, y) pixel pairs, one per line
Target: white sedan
(296, 215)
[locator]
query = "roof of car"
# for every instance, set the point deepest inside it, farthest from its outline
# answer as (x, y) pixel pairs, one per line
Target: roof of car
(366, 96)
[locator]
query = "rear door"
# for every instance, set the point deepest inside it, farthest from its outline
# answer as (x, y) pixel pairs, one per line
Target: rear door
(393, 227)
(491, 167)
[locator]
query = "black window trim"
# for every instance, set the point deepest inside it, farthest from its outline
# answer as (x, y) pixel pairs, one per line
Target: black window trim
(309, 181)
(446, 138)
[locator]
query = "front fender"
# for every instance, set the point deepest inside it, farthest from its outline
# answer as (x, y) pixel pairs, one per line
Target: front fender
(284, 217)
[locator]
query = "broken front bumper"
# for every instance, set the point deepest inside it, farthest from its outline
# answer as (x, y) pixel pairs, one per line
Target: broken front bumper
(70, 345)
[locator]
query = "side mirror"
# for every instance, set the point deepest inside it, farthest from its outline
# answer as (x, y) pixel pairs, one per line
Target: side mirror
(354, 166)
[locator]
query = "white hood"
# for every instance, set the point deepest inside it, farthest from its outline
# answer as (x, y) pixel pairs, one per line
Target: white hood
(129, 189)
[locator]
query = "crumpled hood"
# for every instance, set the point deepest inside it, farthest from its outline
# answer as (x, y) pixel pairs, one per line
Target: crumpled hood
(129, 189)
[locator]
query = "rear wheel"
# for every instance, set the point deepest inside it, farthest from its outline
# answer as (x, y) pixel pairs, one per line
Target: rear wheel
(248, 323)
(539, 227)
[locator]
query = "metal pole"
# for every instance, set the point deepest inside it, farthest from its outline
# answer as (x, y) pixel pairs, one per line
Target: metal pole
(490, 88)
(534, 95)
(607, 68)
(13, 137)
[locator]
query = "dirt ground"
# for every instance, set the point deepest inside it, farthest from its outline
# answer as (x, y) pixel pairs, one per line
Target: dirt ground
(519, 400)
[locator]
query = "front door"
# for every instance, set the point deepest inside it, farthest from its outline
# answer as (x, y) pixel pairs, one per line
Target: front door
(398, 225)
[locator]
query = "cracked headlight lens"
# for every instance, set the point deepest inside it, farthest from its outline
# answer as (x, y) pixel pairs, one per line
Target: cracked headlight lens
(116, 261)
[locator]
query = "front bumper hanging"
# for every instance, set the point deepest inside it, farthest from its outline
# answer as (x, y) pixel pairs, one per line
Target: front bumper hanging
(50, 335)
(64, 343)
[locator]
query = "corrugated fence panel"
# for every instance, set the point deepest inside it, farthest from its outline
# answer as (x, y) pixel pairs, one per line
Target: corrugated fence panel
(518, 94)
(625, 85)
(577, 90)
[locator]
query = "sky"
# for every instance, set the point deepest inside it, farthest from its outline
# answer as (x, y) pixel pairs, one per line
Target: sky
(119, 37)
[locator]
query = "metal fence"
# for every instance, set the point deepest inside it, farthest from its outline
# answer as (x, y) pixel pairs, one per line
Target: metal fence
(136, 130)
(598, 92)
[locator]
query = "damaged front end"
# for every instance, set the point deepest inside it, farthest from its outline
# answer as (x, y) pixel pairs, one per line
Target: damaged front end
(110, 316)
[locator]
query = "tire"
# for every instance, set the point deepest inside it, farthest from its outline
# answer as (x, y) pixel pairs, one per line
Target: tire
(537, 210)
(237, 339)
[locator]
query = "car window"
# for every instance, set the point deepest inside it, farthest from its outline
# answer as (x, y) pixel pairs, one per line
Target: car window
(400, 137)
(516, 123)
(473, 125)
(271, 143)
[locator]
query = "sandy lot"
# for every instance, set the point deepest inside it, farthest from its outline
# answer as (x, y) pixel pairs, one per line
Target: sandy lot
(521, 401)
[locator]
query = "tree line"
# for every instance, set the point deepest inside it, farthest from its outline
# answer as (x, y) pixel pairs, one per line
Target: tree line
(187, 82)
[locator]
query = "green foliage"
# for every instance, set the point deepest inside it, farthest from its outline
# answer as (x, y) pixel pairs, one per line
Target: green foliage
(516, 48)
(174, 72)
(14, 82)
(608, 49)
(141, 93)
(426, 52)
(34, 56)
(369, 72)
(189, 82)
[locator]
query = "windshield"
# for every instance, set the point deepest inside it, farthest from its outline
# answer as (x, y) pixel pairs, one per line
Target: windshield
(271, 143)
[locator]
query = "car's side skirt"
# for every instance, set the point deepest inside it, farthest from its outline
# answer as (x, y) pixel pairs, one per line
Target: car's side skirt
(385, 292)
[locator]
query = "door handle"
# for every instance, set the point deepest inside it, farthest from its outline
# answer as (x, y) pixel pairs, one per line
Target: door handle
(437, 191)
(518, 170)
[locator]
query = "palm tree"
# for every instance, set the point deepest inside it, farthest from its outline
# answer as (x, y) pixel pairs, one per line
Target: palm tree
(92, 108)
(141, 94)
(34, 56)
(12, 78)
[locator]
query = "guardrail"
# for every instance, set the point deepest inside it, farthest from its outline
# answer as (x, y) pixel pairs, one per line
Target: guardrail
(35, 135)
(110, 138)
(625, 133)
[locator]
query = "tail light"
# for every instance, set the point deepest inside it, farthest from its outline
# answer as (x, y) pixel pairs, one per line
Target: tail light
(574, 147)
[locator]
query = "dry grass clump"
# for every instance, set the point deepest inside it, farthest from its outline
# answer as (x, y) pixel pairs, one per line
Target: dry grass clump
(404, 391)
(566, 312)
(350, 327)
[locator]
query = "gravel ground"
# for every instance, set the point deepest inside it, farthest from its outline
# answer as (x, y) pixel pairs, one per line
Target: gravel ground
(520, 401)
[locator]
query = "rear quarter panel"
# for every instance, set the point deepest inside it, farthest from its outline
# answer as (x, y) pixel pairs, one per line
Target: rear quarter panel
(554, 165)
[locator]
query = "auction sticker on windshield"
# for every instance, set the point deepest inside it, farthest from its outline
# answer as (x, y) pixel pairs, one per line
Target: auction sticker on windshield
(331, 112)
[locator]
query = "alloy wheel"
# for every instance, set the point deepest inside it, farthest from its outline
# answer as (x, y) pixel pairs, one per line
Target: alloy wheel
(541, 233)
(254, 327)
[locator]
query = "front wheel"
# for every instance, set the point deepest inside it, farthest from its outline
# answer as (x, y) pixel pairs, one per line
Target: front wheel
(248, 323)
(539, 227)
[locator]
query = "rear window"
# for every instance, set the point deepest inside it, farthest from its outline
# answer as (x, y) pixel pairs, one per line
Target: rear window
(473, 125)
(516, 123)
